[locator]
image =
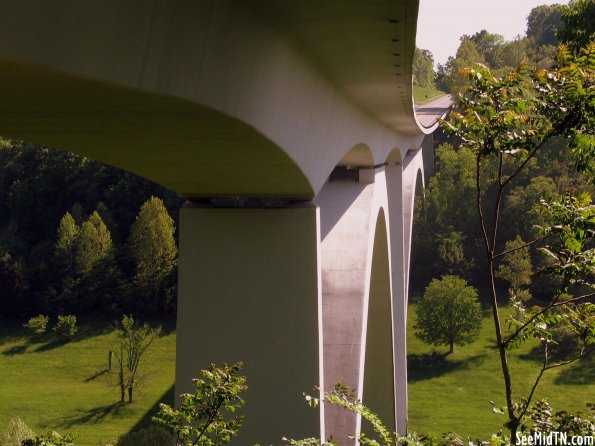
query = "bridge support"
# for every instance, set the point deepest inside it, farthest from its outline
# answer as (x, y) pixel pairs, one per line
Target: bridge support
(249, 291)
(304, 295)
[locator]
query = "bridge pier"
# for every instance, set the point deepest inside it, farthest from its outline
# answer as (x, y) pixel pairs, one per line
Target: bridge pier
(249, 286)
(307, 294)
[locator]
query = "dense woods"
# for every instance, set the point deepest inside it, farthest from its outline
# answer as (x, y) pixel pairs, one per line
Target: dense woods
(74, 238)
(446, 238)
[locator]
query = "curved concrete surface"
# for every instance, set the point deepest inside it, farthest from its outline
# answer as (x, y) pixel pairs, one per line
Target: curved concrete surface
(299, 99)
(312, 80)
(428, 114)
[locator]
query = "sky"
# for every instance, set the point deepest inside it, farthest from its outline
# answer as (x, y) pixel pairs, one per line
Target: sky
(442, 22)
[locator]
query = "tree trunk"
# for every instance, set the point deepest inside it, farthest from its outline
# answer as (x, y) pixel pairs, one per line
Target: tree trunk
(452, 346)
(129, 394)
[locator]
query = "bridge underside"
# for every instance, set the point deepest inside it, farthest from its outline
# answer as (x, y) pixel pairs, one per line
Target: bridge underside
(297, 100)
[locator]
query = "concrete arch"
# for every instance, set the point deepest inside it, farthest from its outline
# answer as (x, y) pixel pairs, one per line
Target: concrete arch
(186, 50)
(359, 155)
(378, 389)
(179, 144)
(394, 157)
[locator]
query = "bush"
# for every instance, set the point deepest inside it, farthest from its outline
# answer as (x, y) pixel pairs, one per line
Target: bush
(16, 432)
(151, 436)
(51, 439)
(37, 325)
(66, 326)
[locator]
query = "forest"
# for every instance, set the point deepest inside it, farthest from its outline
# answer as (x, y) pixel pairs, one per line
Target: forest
(77, 236)
(446, 234)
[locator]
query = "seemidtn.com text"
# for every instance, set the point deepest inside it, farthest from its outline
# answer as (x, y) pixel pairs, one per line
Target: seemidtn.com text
(554, 438)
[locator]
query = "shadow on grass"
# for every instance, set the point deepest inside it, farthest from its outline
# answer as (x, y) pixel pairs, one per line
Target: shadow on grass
(431, 365)
(579, 373)
(94, 415)
(167, 398)
(50, 345)
(96, 375)
(15, 350)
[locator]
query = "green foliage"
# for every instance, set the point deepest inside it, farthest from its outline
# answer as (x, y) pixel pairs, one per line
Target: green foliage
(150, 436)
(152, 244)
(14, 284)
(579, 24)
(516, 268)
(37, 187)
(52, 439)
(134, 342)
(449, 313)
(200, 419)
(542, 24)
(16, 432)
(508, 120)
(37, 324)
(423, 68)
(68, 232)
(66, 327)
(93, 244)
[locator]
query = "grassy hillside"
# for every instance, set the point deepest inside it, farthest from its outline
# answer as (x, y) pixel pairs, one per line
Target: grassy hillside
(421, 95)
(66, 387)
(453, 393)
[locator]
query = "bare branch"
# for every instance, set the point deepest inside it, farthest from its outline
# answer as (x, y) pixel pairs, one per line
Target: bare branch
(526, 245)
(553, 304)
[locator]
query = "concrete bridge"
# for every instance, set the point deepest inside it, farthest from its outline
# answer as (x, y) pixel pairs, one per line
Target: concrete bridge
(290, 128)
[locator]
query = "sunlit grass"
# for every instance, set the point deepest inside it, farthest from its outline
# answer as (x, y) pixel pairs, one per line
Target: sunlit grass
(453, 393)
(67, 387)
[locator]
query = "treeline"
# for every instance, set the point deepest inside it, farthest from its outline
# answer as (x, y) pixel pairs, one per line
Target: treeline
(547, 27)
(446, 237)
(77, 236)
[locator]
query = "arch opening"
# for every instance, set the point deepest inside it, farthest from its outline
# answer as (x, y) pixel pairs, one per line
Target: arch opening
(379, 387)
(394, 157)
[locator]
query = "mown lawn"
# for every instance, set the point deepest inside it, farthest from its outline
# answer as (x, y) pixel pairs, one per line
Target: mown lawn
(67, 387)
(453, 393)
(421, 95)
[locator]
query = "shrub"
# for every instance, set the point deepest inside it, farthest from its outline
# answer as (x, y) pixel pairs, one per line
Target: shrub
(66, 326)
(151, 436)
(16, 432)
(51, 439)
(37, 325)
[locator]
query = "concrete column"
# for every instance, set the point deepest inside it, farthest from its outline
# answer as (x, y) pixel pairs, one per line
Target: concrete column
(401, 182)
(345, 208)
(249, 286)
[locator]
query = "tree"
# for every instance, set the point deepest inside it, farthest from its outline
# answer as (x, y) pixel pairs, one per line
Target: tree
(93, 244)
(487, 44)
(153, 245)
(423, 68)
(542, 24)
(516, 267)
(68, 232)
(134, 342)
(509, 120)
(579, 24)
(449, 313)
(200, 419)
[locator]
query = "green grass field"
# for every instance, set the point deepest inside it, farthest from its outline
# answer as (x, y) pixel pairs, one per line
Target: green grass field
(421, 95)
(67, 388)
(453, 393)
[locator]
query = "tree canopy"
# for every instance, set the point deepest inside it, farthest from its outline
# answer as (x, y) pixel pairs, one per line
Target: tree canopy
(449, 313)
